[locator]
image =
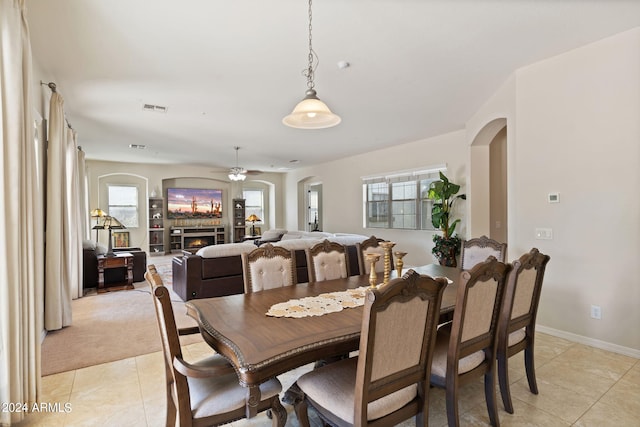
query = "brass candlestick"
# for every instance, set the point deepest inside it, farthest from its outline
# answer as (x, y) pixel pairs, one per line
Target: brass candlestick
(373, 276)
(399, 263)
(387, 246)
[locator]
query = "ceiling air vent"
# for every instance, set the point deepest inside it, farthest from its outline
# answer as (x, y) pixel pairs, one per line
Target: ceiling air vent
(138, 146)
(154, 108)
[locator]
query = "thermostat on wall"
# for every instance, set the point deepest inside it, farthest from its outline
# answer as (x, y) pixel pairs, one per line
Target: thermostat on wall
(554, 197)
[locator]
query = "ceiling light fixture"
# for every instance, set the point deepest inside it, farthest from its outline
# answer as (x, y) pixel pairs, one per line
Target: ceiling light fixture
(237, 173)
(311, 113)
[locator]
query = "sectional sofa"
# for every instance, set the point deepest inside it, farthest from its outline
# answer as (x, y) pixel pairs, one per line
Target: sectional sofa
(217, 270)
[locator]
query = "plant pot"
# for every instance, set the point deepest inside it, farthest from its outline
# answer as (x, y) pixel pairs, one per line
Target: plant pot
(449, 259)
(446, 250)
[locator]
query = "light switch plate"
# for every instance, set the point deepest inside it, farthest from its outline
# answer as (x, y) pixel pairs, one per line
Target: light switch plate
(544, 233)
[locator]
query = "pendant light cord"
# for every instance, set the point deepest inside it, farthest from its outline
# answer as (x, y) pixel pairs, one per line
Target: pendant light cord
(309, 72)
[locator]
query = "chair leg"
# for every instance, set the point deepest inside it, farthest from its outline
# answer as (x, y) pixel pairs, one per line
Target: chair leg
(452, 406)
(490, 397)
(301, 410)
(530, 366)
(503, 380)
(171, 409)
(278, 413)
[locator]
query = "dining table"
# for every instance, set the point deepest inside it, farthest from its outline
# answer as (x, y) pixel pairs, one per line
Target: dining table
(260, 346)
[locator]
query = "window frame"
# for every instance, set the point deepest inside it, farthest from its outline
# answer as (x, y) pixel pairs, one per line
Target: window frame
(136, 207)
(247, 206)
(420, 203)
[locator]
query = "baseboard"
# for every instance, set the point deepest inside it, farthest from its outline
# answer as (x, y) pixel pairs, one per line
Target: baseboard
(603, 345)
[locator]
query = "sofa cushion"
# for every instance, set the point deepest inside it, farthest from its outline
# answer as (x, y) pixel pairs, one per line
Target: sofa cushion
(297, 244)
(225, 249)
(89, 244)
(347, 239)
(273, 235)
(317, 234)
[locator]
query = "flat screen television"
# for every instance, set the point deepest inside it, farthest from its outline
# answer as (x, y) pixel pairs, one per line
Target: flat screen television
(194, 203)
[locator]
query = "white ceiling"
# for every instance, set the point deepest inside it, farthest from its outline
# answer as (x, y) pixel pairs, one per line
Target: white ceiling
(228, 72)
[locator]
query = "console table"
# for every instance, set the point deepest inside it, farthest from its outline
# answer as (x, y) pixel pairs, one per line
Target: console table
(123, 260)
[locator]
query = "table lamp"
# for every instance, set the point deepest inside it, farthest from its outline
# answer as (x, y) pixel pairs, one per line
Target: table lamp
(97, 213)
(253, 218)
(110, 223)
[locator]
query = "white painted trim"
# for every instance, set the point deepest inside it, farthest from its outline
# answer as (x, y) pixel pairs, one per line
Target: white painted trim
(43, 335)
(603, 345)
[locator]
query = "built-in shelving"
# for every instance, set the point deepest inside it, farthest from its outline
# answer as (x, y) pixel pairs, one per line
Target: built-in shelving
(156, 226)
(239, 221)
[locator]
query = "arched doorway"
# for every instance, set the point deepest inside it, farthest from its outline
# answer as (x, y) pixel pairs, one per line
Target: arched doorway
(488, 192)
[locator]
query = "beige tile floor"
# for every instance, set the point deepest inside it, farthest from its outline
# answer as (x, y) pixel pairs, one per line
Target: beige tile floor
(579, 386)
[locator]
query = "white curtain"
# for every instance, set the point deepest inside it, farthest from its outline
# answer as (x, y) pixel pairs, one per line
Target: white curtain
(61, 235)
(21, 236)
(85, 225)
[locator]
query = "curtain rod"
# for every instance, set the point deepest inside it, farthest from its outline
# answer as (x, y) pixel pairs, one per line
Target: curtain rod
(54, 88)
(51, 85)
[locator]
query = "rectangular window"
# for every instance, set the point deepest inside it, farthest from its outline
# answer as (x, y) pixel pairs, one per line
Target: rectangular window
(403, 205)
(399, 200)
(378, 205)
(123, 204)
(254, 203)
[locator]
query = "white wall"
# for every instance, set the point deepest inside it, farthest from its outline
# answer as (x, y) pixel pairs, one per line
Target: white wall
(578, 133)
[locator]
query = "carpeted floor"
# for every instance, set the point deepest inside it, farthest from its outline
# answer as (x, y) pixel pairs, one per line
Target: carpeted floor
(112, 326)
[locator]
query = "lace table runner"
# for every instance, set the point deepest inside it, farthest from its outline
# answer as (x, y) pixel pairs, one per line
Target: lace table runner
(331, 302)
(322, 304)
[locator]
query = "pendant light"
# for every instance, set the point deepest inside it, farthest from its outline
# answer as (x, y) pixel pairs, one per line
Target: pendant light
(311, 112)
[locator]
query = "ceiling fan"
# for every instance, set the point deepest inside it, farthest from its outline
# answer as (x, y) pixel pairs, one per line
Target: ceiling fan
(238, 173)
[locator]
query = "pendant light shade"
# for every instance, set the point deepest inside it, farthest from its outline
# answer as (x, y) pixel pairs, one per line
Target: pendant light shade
(311, 113)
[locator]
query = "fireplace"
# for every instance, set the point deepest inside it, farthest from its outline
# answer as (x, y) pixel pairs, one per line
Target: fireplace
(197, 242)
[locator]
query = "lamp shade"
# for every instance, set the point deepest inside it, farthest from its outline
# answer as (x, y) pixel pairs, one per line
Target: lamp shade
(311, 113)
(97, 212)
(253, 218)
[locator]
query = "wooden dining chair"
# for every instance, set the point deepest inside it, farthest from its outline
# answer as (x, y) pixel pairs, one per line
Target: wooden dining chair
(517, 328)
(327, 261)
(206, 392)
(479, 249)
(466, 347)
(388, 381)
(268, 267)
(370, 245)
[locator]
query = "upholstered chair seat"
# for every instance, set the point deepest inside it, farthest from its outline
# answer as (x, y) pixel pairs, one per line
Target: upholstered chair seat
(439, 364)
(223, 394)
(333, 387)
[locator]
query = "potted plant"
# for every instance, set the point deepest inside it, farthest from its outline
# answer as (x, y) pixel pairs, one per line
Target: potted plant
(444, 193)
